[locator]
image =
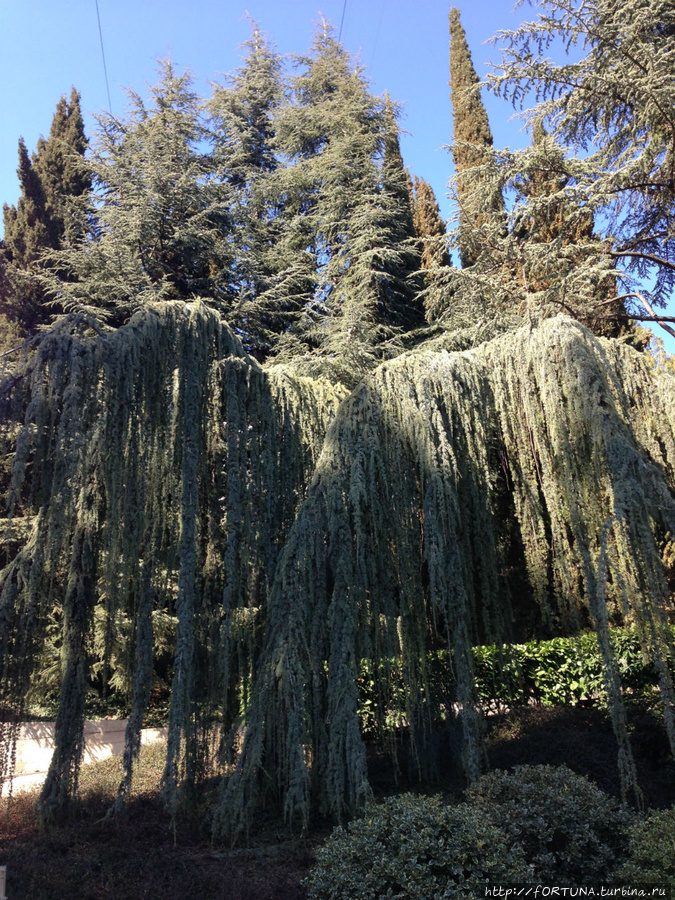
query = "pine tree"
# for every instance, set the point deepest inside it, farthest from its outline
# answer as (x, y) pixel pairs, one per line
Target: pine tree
(330, 135)
(161, 216)
(243, 135)
(50, 213)
(472, 143)
(345, 219)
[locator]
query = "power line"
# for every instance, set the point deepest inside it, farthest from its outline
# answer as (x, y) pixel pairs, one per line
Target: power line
(105, 69)
(377, 36)
(342, 20)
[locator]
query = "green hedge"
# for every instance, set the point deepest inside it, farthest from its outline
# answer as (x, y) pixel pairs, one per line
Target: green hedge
(555, 672)
(559, 671)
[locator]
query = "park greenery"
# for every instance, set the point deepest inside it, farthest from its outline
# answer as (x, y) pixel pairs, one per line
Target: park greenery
(537, 825)
(271, 453)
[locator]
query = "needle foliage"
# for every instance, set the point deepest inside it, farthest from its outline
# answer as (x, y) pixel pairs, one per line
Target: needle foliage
(260, 499)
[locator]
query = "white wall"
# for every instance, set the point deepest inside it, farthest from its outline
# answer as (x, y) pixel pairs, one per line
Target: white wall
(35, 746)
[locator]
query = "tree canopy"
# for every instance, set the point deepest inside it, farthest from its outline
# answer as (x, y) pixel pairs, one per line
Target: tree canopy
(51, 213)
(244, 470)
(611, 104)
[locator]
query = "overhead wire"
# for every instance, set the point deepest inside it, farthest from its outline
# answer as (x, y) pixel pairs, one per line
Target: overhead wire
(342, 20)
(105, 68)
(377, 37)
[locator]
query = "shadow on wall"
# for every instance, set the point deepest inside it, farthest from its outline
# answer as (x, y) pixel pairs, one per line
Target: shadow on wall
(35, 745)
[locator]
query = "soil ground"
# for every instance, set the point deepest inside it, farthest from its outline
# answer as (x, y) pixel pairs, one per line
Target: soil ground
(140, 856)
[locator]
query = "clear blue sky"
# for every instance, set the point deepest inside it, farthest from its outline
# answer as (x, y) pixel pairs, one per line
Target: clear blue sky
(47, 46)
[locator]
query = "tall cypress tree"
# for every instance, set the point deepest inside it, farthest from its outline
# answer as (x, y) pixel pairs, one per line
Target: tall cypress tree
(50, 213)
(396, 177)
(428, 224)
(59, 161)
(29, 229)
(472, 141)
(29, 233)
(430, 231)
(401, 306)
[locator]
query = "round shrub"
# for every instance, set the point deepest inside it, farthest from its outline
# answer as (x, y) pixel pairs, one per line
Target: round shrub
(414, 847)
(569, 829)
(651, 850)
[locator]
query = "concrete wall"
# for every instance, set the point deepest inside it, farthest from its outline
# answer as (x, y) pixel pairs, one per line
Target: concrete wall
(35, 746)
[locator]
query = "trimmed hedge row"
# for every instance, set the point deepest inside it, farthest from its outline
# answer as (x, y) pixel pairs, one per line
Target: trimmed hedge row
(560, 671)
(553, 673)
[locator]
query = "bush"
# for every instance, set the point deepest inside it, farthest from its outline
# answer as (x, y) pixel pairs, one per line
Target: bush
(651, 850)
(414, 847)
(569, 829)
(562, 670)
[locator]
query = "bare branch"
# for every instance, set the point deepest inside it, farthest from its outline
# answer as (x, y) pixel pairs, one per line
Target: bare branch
(13, 350)
(652, 317)
(650, 256)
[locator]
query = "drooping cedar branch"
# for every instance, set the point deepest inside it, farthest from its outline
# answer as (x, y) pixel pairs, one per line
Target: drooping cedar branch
(399, 544)
(171, 476)
(164, 468)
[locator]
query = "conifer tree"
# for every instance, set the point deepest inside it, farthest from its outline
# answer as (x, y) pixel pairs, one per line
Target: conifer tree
(428, 224)
(65, 177)
(430, 230)
(542, 258)
(29, 233)
(333, 133)
(161, 216)
(472, 143)
(28, 226)
(556, 236)
(243, 133)
(401, 306)
(396, 177)
(49, 215)
(614, 108)
(539, 258)
(298, 536)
